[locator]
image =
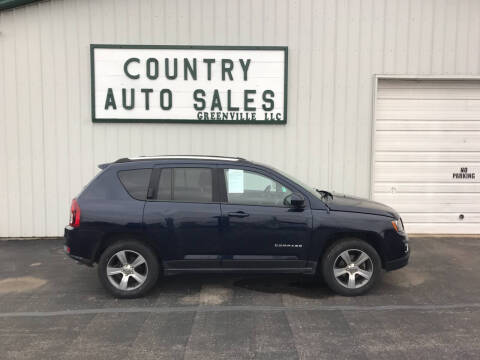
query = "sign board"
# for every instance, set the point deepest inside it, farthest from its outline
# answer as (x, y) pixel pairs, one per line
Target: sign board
(464, 174)
(189, 84)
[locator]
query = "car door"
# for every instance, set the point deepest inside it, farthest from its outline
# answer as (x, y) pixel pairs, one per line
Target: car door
(182, 216)
(262, 230)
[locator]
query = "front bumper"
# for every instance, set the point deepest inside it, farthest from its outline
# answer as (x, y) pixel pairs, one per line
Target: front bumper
(397, 263)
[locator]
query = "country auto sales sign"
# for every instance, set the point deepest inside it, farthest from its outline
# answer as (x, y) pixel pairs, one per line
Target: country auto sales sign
(191, 84)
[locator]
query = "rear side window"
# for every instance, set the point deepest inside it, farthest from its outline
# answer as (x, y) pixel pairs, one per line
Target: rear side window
(103, 188)
(186, 184)
(136, 182)
(192, 184)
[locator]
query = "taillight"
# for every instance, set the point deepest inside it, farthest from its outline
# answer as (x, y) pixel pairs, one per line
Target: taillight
(75, 214)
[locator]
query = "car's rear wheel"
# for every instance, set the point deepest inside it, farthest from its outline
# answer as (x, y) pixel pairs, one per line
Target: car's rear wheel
(351, 267)
(128, 269)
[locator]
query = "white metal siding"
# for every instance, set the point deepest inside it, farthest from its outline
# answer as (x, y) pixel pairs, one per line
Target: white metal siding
(425, 132)
(49, 147)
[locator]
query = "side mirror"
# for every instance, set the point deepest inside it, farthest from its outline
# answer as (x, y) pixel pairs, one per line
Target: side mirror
(297, 201)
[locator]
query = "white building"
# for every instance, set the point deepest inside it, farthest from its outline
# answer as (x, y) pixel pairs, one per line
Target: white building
(383, 99)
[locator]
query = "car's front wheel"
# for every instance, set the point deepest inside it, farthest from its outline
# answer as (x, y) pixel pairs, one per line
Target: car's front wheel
(351, 267)
(128, 269)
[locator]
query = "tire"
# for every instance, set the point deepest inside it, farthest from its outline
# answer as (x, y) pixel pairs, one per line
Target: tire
(347, 279)
(132, 274)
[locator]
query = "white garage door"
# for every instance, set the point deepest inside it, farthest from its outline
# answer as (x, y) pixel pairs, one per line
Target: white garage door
(427, 153)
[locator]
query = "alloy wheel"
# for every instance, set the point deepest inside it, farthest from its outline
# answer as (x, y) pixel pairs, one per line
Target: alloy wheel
(353, 268)
(127, 270)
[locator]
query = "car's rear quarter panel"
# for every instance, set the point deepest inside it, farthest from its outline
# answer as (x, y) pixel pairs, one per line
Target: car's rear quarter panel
(104, 216)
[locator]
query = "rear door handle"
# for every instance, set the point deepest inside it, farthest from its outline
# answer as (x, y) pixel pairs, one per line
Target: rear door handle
(239, 214)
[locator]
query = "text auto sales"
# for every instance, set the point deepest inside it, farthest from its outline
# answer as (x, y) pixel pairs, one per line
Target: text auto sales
(211, 107)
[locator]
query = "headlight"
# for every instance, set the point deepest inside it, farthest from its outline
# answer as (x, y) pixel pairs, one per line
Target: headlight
(398, 225)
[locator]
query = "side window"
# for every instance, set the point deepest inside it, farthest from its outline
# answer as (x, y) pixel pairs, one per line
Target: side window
(164, 191)
(249, 188)
(104, 187)
(192, 184)
(135, 182)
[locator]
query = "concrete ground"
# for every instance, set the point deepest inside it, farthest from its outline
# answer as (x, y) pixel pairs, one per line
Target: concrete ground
(51, 308)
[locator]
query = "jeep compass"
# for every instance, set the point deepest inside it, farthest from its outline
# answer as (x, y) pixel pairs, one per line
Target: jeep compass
(141, 218)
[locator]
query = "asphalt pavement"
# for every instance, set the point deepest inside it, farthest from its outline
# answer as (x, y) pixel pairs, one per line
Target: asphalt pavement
(52, 308)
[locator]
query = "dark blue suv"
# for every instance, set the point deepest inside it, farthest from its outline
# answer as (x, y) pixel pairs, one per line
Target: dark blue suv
(142, 217)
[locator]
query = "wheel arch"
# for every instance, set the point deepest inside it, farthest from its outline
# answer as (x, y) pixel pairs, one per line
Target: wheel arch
(371, 238)
(109, 239)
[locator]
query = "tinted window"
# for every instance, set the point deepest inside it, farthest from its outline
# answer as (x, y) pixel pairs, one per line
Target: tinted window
(249, 188)
(192, 184)
(164, 191)
(136, 182)
(104, 187)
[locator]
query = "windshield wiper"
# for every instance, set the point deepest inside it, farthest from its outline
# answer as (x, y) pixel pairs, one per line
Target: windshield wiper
(324, 193)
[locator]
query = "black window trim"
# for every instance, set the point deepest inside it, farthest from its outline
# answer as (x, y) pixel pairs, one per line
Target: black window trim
(153, 186)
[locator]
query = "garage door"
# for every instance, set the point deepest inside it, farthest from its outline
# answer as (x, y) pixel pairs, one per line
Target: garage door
(427, 153)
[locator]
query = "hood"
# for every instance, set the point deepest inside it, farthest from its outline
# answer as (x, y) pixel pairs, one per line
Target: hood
(341, 202)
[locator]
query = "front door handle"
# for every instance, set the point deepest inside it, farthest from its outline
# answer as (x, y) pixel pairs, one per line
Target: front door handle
(239, 214)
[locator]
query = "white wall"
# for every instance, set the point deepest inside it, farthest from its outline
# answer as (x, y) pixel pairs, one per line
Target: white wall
(49, 147)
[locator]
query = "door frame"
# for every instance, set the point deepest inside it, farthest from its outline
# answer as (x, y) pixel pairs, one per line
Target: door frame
(188, 262)
(308, 266)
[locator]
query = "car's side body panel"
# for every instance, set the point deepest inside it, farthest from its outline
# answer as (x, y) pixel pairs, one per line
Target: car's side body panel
(268, 237)
(187, 234)
(331, 225)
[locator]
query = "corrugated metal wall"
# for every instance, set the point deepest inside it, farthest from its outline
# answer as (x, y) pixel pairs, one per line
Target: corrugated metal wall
(49, 147)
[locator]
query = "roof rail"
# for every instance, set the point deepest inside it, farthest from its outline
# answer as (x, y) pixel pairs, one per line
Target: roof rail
(163, 157)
